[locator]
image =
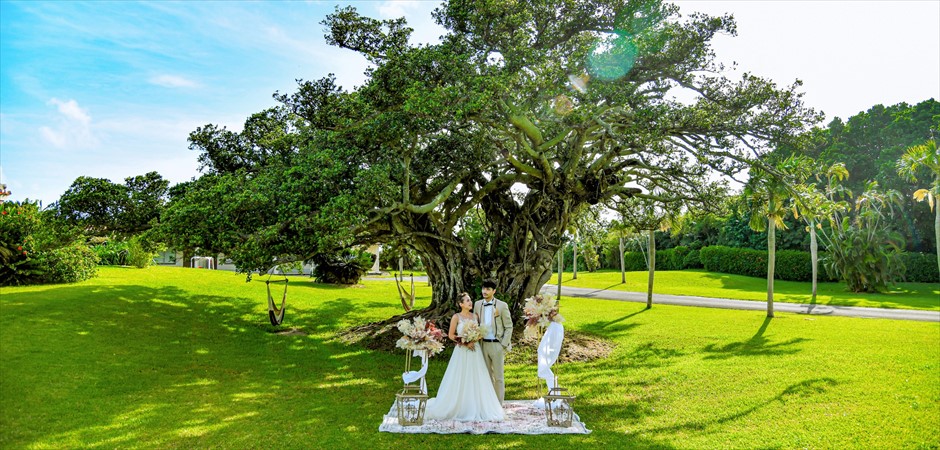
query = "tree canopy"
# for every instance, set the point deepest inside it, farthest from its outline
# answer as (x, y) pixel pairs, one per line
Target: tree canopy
(101, 207)
(524, 112)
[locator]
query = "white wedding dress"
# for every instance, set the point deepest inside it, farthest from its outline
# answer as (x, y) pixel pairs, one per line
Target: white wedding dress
(466, 392)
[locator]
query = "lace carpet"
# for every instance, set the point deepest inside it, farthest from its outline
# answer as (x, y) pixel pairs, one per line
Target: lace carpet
(521, 417)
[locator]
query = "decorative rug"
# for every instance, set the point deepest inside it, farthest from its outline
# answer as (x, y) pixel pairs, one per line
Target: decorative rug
(521, 417)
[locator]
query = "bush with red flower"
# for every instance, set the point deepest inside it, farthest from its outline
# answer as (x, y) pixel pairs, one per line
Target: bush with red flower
(33, 250)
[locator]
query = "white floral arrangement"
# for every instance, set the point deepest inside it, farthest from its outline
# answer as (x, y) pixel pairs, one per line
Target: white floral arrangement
(420, 334)
(540, 310)
(471, 332)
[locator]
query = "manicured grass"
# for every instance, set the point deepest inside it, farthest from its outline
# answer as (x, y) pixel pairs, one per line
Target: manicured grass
(720, 285)
(185, 358)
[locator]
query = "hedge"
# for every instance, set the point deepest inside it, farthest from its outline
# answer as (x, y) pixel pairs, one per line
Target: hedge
(920, 268)
(791, 265)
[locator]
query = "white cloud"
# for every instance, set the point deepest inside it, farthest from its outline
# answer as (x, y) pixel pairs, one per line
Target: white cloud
(418, 15)
(72, 129)
(394, 9)
(173, 81)
(71, 110)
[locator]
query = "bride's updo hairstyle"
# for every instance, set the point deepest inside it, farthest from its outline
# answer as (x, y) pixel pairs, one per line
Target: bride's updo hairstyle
(460, 298)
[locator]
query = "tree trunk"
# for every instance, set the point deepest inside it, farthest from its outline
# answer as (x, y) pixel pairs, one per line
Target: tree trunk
(814, 254)
(574, 245)
(652, 269)
(561, 268)
(623, 272)
(936, 226)
(771, 257)
(523, 276)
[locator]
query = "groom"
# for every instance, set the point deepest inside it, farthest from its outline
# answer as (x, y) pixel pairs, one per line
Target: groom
(494, 315)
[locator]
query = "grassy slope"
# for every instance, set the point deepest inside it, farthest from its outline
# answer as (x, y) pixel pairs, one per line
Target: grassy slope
(184, 358)
(719, 285)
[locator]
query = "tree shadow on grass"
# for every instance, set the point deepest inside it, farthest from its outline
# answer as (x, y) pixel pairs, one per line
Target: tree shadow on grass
(757, 345)
(608, 327)
(805, 388)
(135, 365)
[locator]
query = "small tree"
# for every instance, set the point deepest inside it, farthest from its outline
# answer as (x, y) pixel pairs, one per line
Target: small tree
(863, 249)
(814, 206)
(645, 214)
(767, 194)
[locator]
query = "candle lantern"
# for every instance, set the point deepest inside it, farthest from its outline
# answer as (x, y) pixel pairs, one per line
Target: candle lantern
(558, 409)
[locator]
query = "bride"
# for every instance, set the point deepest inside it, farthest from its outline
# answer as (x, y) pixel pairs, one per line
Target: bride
(466, 392)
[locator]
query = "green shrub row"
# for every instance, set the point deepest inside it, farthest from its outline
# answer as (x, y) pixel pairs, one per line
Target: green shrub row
(795, 265)
(677, 258)
(791, 265)
(920, 268)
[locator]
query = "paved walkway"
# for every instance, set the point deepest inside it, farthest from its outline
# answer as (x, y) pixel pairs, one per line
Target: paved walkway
(707, 302)
(725, 303)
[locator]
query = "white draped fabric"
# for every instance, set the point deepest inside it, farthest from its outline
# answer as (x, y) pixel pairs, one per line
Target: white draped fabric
(549, 349)
(415, 375)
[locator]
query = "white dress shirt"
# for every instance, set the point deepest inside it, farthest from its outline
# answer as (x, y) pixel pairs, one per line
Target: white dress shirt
(489, 310)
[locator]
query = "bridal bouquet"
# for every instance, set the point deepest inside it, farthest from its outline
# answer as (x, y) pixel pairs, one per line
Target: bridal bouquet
(539, 310)
(471, 332)
(420, 335)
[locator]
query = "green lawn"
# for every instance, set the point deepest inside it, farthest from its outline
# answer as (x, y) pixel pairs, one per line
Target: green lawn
(721, 285)
(185, 358)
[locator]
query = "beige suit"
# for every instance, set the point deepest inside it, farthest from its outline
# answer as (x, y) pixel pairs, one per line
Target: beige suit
(494, 353)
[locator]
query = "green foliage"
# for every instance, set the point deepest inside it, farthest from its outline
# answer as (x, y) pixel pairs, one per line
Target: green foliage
(138, 255)
(103, 208)
(671, 259)
(692, 260)
(634, 261)
(793, 265)
(920, 268)
(739, 261)
(110, 252)
(345, 268)
(863, 249)
(69, 264)
(870, 144)
(790, 264)
(440, 132)
(35, 249)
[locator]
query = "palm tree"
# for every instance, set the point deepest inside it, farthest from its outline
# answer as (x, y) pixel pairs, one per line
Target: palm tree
(814, 205)
(918, 157)
(620, 229)
(766, 195)
(645, 214)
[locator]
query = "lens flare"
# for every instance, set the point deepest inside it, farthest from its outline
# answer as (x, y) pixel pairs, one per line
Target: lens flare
(613, 58)
(579, 82)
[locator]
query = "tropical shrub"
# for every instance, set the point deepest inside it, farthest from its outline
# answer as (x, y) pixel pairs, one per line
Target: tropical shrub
(110, 252)
(138, 254)
(35, 250)
(863, 249)
(69, 264)
(347, 267)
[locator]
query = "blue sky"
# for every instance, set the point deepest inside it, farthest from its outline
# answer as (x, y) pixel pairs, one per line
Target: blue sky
(112, 89)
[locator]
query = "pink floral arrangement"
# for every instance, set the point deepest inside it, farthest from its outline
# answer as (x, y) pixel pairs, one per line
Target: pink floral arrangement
(540, 310)
(420, 334)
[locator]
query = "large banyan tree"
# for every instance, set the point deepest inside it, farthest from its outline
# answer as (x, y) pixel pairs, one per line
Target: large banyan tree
(476, 151)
